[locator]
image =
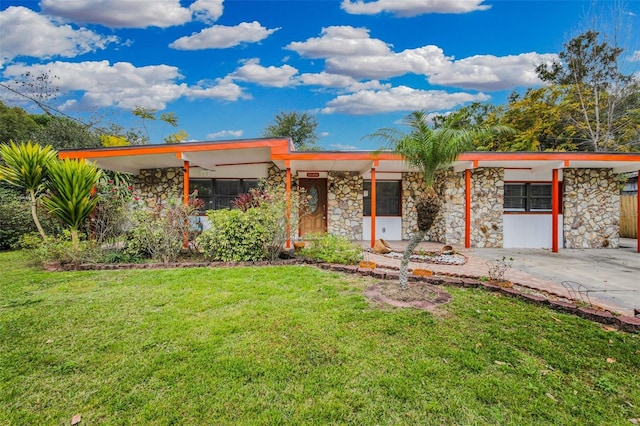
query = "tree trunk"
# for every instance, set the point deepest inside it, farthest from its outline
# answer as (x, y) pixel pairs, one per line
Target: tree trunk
(34, 214)
(404, 264)
(427, 209)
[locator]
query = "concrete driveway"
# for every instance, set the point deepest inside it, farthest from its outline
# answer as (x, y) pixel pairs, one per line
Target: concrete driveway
(609, 276)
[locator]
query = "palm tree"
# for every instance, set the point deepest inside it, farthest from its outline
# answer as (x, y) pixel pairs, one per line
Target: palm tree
(27, 166)
(71, 196)
(429, 150)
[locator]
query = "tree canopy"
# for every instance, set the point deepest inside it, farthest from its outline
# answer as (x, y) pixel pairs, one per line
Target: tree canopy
(300, 127)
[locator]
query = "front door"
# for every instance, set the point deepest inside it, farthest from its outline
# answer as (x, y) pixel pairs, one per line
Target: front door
(314, 219)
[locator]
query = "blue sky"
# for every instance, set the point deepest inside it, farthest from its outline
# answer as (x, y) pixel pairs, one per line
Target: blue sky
(226, 67)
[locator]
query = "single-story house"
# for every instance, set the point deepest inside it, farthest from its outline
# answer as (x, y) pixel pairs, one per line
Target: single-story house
(492, 199)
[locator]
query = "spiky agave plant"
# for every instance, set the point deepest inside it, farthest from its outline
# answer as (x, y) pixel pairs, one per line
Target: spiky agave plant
(27, 166)
(429, 150)
(71, 197)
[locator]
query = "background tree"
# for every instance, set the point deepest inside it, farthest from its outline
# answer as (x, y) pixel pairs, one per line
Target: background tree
(590, 72)
(430, 150)
(27, 166)
(169, 118)
(64, 133)
(300, 127)
(15, 124)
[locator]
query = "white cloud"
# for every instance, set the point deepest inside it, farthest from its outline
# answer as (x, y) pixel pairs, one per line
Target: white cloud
(207, 10)
(488, 72)
(341, 147)
(400, 98)
(350, 52)
(26, 33)
(129, 13)
(225, 133)
(123, 85)
(340, 41)
(424, 60)
(220, 88)
(270, 76)
(636, 56)
(220, 36)
(412, 7)
(337, 81)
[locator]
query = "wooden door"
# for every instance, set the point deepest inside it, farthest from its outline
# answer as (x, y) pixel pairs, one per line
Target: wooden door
(315, 218)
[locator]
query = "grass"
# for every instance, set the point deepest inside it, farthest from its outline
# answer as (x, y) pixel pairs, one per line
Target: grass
(294, 345)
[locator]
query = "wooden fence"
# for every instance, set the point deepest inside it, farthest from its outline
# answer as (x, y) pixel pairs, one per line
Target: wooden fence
(629, 216)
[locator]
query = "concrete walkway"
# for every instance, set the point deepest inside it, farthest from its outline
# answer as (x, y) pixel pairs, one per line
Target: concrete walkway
(608, 278)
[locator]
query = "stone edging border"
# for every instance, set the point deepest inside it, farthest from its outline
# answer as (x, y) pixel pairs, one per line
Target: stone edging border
(625, 323)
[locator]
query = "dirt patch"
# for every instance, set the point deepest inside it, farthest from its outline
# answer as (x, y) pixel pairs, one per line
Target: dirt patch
(416, 295)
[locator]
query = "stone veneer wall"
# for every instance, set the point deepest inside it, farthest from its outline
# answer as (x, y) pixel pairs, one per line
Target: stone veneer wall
(277, 178)
(591, 209)
(156, 185)
(449, 225)
(345, 204)
(487, 199)
(412, 187)
(487, 207)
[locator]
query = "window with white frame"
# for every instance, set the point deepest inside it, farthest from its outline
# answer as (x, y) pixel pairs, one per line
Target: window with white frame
(388, 198)
(528, 197)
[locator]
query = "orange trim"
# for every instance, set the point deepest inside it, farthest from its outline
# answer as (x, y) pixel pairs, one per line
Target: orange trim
(281, 150)
(373, 207)
(288, 198)
(275, 145)
(557, 156)
(467, 208)
(335, 156)
(554, 211)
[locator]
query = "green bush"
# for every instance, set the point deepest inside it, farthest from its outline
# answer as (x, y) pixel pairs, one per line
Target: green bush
(237, 236)
(16, 220)
(57, 249)
(332, 249)
(255, 230)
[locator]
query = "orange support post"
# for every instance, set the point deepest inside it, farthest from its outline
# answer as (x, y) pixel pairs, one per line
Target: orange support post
(554, 211)
(467, 208)
(373, 207)
(288, 195)
(185, 187)
(185, 197)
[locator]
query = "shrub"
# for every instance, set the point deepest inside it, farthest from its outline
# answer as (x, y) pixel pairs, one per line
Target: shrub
(332, 249)
(255, 230)
(159, 232)
(235, 235)
(110, 219)
(58, 249)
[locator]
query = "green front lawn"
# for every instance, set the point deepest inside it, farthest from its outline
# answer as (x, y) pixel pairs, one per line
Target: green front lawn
(293, 345)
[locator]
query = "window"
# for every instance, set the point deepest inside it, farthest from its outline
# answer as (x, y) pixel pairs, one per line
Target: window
(528, 197)
(218, 193)
(388, 195)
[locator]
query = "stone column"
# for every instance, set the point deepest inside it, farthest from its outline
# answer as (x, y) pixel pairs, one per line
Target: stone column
(591, 209)
(345, 204)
